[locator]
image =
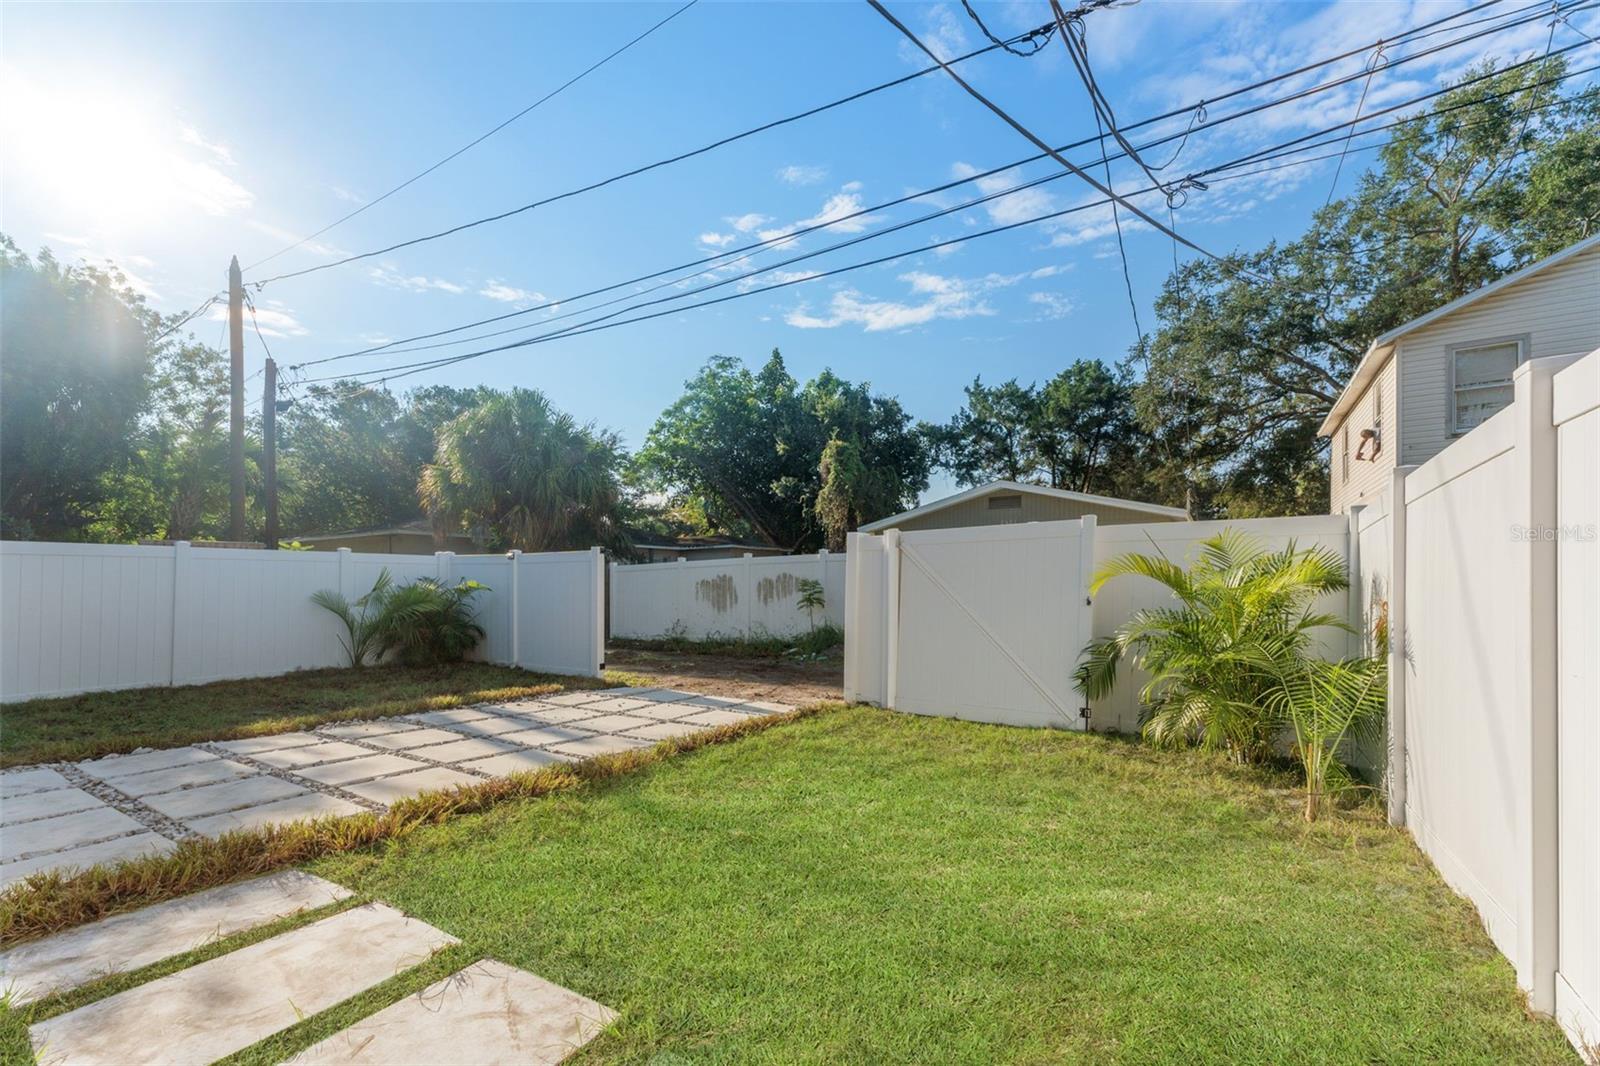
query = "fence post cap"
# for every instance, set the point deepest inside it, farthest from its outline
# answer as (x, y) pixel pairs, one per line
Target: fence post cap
(344, 551)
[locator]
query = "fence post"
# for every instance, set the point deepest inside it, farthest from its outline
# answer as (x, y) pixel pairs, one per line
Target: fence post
(748, 591)
(444, 564)
(182, 582)
(1395, 764)
(347, 575)
(1355, 592)
(891, 585)
(513, 559)
(851, 613)
(1536, 830)
(597, 559)
(822, 579)
(1086, 618)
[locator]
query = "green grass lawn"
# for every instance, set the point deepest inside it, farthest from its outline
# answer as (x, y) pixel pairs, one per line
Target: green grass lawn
(869, 887)
(97, 723)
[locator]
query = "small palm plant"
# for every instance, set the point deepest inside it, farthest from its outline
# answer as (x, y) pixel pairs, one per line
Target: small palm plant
(811, 599)
(1328, 704)
(1243, 616)
(364, 620)
(426, 622)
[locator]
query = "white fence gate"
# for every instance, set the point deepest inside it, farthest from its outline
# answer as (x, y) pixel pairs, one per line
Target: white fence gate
(92, 617)
(747, 597)
(981, 623)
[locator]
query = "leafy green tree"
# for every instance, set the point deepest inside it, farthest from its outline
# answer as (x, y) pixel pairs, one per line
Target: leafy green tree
(529, 474)
(1078, 431)
(746, 451)
(78, 347)
(1252, 351)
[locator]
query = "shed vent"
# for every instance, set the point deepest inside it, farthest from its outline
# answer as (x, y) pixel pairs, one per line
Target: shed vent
(1005, 503)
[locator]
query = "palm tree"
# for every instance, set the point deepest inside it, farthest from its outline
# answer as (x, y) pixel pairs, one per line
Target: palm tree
(1326, 704)
(529, 473)
(1244, 618)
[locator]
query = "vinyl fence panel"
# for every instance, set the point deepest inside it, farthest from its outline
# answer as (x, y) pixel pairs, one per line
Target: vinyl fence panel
(1119, 599)
(94, 617)
(1576, 414)
(747, 597)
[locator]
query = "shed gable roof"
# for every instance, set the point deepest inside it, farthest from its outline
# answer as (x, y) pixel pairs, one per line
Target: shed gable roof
(1016, 486)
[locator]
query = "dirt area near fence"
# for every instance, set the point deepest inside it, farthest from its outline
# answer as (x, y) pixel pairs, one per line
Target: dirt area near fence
(781, 680)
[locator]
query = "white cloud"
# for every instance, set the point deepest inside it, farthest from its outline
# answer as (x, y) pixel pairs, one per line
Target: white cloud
(800, 174)
(943, 296)
(1052, 305)
(219, 151)
(747, 222)
(67, 238)
(273, 321)
(284, 237)
(346, 195)
(499, 290)
(717, 240)
(389, 277)
(1014, 207)
(943, 30)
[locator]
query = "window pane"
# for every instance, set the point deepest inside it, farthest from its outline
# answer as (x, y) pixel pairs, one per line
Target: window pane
(1485, 366)
(1474, 406)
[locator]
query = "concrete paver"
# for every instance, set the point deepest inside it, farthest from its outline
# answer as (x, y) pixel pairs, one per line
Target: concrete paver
(311, 754)
(371, 728)
(416, 738)
(614, 723)
(114, 766)
(714, 718)
(66, 831)
(603, 744)
(560, 715)
(428, 779)
(453, 716)
(489, 1013)
(363, 769)
(572, 699)
(550, 734)
(616, 705)
(515, 762)
(253, 746)
(200, 773)
(34, 779)
(664, 730)
(226, 796)
(129, 941)
(492, 726)
(468, 748)
(293, 809)
(45, 804)
(224, 1004)
(86, 855)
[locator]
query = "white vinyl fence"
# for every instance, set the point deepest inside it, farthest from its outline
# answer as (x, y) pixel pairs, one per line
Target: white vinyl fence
(987, 623)
(1486, 560)
(90, 617)
(747, 597)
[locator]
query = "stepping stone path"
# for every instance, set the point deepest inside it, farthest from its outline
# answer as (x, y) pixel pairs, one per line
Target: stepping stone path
(487, 1012)
(69, 815)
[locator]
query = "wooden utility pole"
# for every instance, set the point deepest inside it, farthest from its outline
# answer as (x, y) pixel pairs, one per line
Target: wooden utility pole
(236, 412)
(269, 450)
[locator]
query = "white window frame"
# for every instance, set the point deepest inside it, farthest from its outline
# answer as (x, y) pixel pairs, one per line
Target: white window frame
(1524, 343)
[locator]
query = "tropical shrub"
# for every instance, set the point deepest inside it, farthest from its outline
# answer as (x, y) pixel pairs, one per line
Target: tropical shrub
(811, 599)
(363, 620)
(422, 623)
(1243, 620)
(1329, 705)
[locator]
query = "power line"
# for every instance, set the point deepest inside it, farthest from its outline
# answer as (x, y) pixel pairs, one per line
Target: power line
(558, 90)
(680, 157)
(1193, 178)
(1214, 173)
(1373, 66)
(745, 252)
(1038, 43)
(1034, 138)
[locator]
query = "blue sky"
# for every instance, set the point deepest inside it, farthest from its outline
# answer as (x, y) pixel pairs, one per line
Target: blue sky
(168, 137)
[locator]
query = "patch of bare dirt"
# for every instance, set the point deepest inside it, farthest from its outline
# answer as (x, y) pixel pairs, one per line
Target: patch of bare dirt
(781, 680)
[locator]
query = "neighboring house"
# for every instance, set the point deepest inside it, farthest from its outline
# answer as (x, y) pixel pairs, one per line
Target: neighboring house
(1002, 503)
(405, 538)
(697, 548)
(1424, 384)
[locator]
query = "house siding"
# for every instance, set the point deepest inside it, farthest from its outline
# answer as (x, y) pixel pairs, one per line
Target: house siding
(1556, 309)
(1376, 407)
(1035, 508)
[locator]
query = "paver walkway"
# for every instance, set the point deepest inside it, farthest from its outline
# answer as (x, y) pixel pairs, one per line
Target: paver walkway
(487, 1012)
(77, 814)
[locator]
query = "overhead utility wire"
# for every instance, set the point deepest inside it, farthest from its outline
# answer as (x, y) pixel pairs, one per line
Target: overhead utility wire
(557, 91)
(680, 157)
(740, 253)
(601, 323)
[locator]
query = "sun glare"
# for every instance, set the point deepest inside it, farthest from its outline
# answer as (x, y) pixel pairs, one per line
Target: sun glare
(105, 160)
